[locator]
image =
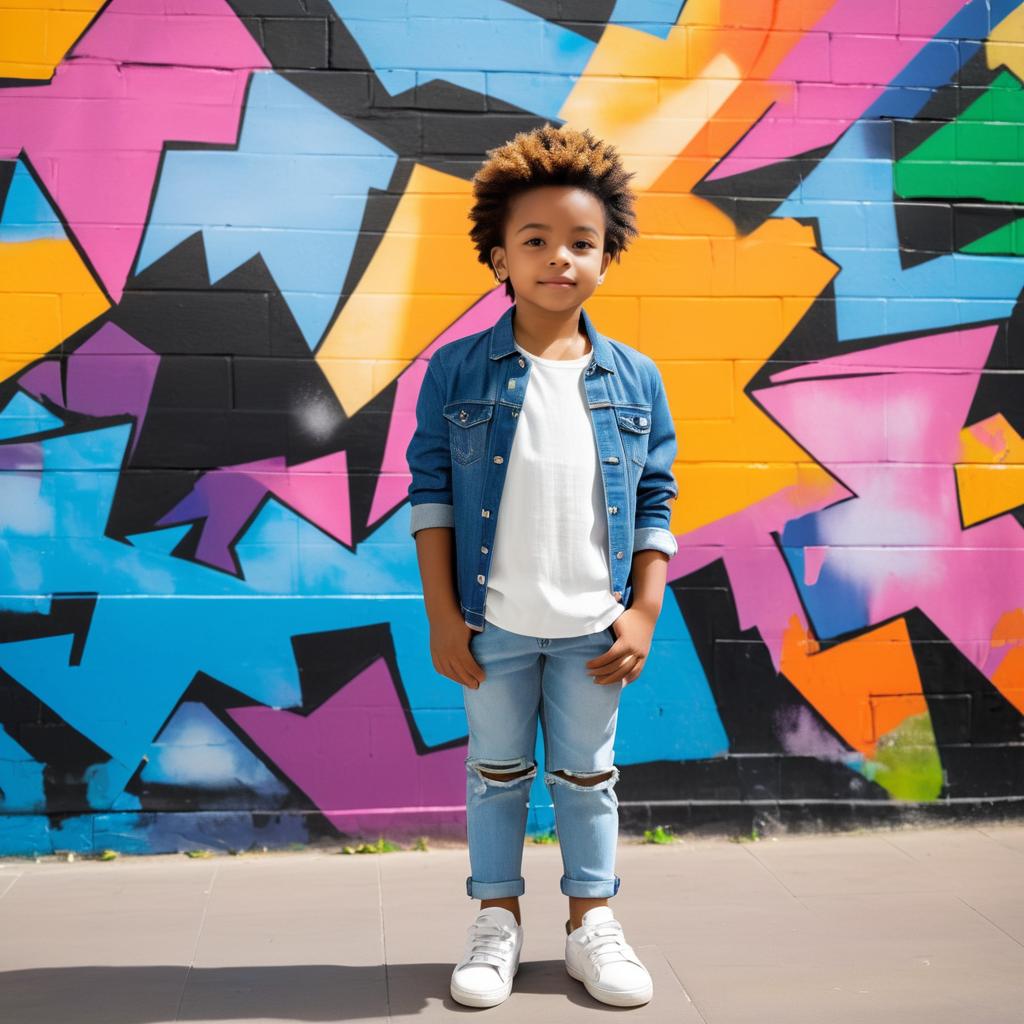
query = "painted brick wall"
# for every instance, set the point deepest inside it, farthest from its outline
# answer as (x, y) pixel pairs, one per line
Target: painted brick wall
(230, 235)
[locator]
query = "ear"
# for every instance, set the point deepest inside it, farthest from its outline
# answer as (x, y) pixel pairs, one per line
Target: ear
(498, 261)
(605, 260)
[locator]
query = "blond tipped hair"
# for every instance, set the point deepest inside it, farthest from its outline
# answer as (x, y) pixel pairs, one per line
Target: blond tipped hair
(550, 155)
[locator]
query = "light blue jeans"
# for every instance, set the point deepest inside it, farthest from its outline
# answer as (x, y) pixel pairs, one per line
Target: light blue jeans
(526, 675)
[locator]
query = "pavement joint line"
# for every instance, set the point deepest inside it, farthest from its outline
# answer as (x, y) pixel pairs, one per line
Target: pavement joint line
(985, 916)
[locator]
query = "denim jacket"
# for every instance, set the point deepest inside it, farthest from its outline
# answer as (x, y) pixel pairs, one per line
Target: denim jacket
(466, 416)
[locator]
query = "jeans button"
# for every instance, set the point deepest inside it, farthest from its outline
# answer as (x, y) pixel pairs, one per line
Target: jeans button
(498, 459)
(522, 361)
(483, 550)
(618, 554)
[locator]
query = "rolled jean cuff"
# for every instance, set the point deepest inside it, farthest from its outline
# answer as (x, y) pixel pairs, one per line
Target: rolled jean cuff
(495, 890)
(593, 887)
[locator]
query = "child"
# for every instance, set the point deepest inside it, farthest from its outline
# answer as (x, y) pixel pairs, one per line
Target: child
(541, 481)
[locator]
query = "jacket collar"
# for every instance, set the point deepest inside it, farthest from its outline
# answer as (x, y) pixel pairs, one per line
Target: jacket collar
(503, 341)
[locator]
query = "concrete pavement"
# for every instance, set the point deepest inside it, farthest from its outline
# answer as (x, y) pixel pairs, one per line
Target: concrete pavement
(905, 925)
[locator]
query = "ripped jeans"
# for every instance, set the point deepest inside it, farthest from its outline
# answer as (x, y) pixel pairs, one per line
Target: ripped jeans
(526, 675)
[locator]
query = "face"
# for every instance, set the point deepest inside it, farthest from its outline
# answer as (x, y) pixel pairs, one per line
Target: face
(554, 231)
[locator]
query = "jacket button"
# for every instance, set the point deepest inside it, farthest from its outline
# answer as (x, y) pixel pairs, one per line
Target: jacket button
(463, 414)
(498, 458)
(618, 554)
(522, 361)
(643, 421)
(515, 412)
(613, 509)
(480, 579)
(483, 550)
(617, 594)
(485, 513)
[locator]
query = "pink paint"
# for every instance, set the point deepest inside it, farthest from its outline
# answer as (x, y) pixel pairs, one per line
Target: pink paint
(901, 541)
(865, 55)
(317, 490)
(951, 350)
(354, 757)
(802, 734)
(762, 586)
(394, 479)
(142, 74)
(814, 559)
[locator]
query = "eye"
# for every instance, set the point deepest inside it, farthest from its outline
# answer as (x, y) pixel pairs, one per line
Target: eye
(583, 240)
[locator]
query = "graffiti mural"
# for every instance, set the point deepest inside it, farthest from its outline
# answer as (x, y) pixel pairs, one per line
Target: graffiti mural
(233, 231)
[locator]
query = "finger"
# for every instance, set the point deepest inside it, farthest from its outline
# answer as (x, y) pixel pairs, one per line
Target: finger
(470, 669)
(621, 672)
(617, 650)
(634, 672)
(612, 675)
(455, 673)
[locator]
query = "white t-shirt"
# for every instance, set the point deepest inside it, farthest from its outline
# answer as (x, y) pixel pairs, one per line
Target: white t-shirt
(549, 564)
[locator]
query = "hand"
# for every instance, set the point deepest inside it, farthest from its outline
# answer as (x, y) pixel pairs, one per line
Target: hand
(626, 657)
(449, 649)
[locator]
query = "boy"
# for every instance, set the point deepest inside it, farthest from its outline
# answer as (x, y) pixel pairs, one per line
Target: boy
(548, 608)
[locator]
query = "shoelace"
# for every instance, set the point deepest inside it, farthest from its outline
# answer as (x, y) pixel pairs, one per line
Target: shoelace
(490, 943)
(606, 942)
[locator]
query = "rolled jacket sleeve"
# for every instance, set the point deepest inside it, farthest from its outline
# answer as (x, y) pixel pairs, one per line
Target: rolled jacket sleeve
(657, 486)
(429, 458)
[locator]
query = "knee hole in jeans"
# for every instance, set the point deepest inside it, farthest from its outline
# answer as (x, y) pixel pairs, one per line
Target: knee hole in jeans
(601, 779)
(502, 772)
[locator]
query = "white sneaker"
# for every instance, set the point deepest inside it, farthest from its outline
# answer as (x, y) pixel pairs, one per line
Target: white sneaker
(597, 954)
(483, 977)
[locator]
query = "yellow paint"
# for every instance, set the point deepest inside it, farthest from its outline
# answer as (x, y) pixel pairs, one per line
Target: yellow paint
(990, 473)
(1005, 43)
(423, 276)
(35, 35)
(48, 294)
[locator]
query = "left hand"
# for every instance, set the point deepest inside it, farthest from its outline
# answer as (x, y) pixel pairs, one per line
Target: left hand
(625, 659)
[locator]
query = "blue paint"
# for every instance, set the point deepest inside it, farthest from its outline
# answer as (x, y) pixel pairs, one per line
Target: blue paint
(24, 415)
(850, 195)
(443, 41)
(27, 214)
(294, 192)
(655, 17)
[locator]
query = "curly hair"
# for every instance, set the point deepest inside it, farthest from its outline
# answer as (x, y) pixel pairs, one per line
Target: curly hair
(550, 155)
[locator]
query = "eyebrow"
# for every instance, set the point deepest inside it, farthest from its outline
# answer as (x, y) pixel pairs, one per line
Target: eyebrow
(547, 227)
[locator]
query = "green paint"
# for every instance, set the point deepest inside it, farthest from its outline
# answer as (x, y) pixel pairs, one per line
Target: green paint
(978, 156)
(907, 761)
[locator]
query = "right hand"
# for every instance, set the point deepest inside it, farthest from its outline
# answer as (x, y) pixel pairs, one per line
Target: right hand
(449, 649)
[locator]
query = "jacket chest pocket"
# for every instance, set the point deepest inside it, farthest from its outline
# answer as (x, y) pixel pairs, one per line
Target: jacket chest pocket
(467, 429)
(635, 431)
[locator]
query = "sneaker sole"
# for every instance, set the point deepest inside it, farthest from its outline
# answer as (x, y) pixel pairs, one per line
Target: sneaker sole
(461, 995)
(632, 997)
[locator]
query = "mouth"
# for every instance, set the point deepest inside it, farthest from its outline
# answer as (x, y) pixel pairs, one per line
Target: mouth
(559, 284)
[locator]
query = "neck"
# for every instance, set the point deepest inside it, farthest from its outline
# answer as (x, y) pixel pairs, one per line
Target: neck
(550, 335)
